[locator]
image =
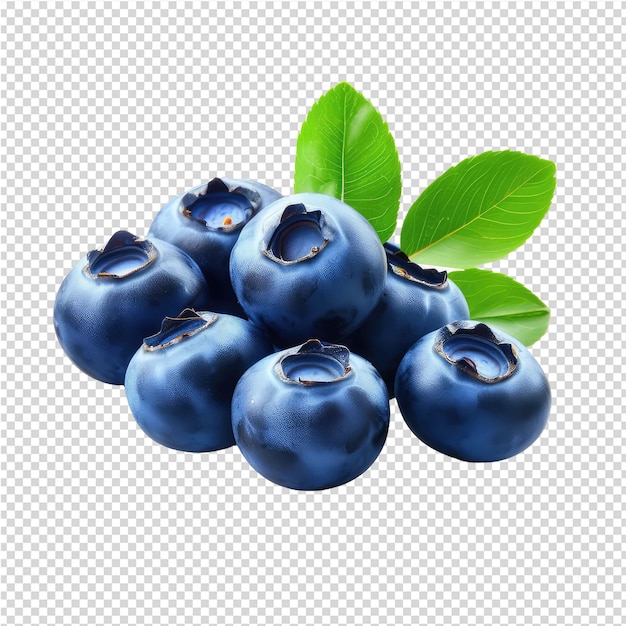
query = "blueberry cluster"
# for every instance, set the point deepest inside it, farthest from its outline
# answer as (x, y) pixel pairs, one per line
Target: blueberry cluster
(283, 325)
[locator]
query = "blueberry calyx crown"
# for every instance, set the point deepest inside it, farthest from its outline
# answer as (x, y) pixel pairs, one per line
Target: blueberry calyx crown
(176, 329)
(220, 207)
(123, 255)
(314, 363)
(299, 236)
(400, 264)
(475, 350)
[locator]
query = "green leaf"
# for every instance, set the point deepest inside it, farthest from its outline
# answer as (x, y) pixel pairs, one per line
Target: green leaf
(498, 300)
(345, 150)
(479, 210)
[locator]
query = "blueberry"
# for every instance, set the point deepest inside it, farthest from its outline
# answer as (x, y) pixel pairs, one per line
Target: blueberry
(311, 417)
(415, 301)
(116, 296)
(308, 266)
(472, 393)
(205, 222)
(180, 382)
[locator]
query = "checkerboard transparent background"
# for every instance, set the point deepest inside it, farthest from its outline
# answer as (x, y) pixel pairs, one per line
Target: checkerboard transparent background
(111, 110)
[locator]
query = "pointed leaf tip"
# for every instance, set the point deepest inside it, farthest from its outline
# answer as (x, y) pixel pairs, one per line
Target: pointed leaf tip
(345, 150)
(480, 210)
(498, 300)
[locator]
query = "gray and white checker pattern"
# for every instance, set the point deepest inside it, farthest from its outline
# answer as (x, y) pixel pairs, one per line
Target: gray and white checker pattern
(112, 109)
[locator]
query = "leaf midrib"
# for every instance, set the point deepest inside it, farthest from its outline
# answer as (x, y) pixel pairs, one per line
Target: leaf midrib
(479, 216)
(533, 313)
(343, 149)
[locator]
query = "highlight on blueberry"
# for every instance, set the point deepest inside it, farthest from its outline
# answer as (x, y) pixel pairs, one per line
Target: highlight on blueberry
(311, 417)
(473, 393)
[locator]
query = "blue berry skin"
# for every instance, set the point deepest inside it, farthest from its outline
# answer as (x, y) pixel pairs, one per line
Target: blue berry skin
(116, 296)
(180, 382)
(205, 222)
(415, 301)
(311, 417)
(308, 266)
(473, 393)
